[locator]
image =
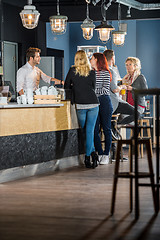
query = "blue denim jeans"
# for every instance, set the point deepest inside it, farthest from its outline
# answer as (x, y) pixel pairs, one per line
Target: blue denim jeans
(87, 120)
(104, 121)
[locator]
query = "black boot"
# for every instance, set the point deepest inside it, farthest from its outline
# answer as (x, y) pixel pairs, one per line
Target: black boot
(87, 162)
(94, 159)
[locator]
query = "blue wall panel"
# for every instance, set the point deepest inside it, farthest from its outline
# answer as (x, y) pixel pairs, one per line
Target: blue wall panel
(129, 48)
(60, 42)
(148, 50)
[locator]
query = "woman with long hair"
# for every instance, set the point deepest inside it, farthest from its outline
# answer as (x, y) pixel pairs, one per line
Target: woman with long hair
(134, 80)
(103, 78)
(81, 79)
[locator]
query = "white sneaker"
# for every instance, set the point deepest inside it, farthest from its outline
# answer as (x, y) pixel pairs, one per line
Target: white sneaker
(104, 160)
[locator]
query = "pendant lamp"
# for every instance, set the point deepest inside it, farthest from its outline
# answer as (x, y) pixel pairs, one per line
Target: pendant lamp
(104, 28)
(119, 36)
(58, 22)
(29, 16)
(87, 26)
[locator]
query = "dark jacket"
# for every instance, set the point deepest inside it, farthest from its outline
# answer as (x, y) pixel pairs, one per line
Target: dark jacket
(83, 88)
(140, 83)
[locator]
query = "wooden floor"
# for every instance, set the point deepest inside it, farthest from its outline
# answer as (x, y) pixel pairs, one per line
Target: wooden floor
(75, 205)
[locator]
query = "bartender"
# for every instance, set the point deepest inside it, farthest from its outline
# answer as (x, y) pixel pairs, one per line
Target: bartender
(28, 76)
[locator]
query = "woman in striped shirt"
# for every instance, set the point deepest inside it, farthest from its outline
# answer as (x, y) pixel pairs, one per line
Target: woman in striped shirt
(103, 78)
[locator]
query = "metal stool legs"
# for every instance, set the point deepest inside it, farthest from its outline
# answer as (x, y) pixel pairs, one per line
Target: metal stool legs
(115, 180)
(149, 156)
(131, 174)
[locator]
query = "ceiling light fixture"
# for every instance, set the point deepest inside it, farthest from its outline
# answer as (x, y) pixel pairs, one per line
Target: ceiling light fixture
(95, 2)
(104, 28)
(58, 22)
(88, 1)
(29, 16)
(119, 36)
(87, 26)
(128, 12)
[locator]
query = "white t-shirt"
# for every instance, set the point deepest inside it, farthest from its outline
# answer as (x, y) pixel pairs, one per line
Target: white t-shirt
(27, 77)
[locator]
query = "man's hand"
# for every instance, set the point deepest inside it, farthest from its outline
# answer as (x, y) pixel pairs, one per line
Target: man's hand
(57, 81)
(21, 92)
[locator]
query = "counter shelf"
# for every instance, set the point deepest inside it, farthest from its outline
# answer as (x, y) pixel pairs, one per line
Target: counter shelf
(14, 105)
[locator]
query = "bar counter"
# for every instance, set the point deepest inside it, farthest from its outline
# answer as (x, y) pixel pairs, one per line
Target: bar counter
(34, 134)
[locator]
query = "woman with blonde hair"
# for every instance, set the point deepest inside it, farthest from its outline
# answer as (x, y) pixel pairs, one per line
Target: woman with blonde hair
(134, 80)
(81, 79)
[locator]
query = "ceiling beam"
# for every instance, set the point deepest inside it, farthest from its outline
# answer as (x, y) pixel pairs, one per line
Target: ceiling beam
(138, 5)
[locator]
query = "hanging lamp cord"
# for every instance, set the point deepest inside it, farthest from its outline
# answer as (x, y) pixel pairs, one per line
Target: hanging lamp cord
(119, 15)
(87, 11)
(104, 8)
(29, 2)
(58, 7)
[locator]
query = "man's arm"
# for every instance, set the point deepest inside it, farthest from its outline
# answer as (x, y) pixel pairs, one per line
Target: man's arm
(118, 89)
(114, 87)
(57, 81)
(48, 79)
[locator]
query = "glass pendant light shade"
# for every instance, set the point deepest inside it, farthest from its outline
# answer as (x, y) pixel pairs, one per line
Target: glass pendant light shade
(29, 16)
(87, 26)
(118, 37)
(104, 31)
(58, 22)
(87, 31)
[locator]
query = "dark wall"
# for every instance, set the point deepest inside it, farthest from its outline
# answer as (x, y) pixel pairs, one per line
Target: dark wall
(15, 32)
(59, 59)
(1, 36)
(41, 37)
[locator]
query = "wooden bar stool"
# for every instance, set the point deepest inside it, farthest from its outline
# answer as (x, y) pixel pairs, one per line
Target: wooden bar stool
(131, 173)
(144, 124)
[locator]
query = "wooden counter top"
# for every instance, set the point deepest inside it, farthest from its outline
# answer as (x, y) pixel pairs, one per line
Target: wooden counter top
(23, 119)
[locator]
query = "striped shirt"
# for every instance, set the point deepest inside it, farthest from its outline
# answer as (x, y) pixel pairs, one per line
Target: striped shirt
(102, 83)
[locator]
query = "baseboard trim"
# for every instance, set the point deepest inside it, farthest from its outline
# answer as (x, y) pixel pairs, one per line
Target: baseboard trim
(40, 168)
